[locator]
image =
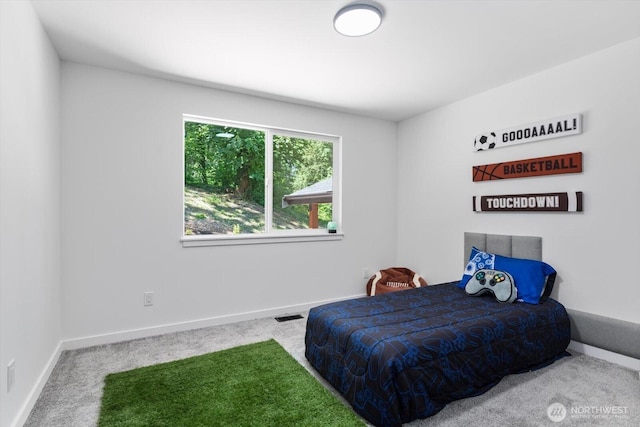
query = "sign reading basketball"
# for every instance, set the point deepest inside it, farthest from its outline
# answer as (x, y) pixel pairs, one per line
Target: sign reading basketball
(545, 129)
(539, 166)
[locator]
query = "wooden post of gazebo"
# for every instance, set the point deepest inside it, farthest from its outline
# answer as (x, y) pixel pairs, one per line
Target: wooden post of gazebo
(313, 215)
(312, 196)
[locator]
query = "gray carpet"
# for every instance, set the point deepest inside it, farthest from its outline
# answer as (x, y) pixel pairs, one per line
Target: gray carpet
(588, 389)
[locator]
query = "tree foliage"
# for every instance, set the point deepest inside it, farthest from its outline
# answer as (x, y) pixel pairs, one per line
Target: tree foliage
(225, 160)
(232, 160)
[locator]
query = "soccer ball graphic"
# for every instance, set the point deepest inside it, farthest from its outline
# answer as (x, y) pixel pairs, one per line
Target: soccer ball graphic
(485, 142)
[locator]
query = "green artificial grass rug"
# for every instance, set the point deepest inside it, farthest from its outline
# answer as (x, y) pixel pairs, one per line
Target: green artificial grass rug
(252, 385)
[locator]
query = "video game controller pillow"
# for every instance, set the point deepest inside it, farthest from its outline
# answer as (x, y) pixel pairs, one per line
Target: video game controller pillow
(533, 279)
(499, 283)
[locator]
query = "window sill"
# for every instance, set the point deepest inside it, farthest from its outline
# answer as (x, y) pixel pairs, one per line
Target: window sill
(229, 240)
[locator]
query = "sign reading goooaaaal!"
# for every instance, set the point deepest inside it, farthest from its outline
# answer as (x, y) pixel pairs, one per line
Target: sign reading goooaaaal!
(545, 129)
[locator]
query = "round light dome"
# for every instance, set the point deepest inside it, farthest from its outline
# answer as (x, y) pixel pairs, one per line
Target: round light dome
(357, 20)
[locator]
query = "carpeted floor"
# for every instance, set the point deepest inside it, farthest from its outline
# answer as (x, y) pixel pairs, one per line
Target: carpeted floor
(592, 392)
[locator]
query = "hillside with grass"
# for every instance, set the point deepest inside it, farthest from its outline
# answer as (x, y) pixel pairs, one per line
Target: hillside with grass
(208, 212)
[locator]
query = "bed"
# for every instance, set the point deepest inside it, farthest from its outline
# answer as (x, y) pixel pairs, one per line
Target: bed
(404, 355)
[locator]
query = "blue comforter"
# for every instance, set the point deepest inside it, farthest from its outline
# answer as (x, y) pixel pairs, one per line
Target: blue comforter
(404, 355)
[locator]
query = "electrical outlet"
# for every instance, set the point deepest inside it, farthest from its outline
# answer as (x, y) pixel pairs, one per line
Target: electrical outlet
(365, 273)
(11, 375)
(148, 298)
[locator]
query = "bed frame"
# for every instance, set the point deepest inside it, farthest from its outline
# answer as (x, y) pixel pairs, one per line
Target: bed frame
(609, 334)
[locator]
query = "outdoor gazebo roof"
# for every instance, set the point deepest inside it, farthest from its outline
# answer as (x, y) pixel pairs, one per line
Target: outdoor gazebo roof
(320, 192)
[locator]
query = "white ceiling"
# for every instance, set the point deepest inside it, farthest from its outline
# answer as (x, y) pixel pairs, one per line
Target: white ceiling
(424, 55)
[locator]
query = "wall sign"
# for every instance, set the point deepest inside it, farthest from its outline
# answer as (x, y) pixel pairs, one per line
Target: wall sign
(539, 166)
(540, 202)
(545, 129)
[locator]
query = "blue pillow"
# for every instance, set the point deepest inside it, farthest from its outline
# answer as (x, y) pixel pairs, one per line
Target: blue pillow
(533, 279)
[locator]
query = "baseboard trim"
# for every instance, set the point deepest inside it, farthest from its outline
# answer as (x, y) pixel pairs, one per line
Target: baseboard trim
(102, 339)
(609, 356)
(34, 394)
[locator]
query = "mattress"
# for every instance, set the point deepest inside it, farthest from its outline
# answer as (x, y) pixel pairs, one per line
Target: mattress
(405, 355)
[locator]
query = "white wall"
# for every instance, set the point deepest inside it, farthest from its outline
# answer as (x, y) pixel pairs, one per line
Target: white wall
(29, 207)
(122, 209)
(596, 252)
(117, 201)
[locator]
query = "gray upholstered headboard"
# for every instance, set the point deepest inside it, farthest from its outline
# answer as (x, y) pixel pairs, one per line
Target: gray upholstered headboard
(512, 246)
(604, 332)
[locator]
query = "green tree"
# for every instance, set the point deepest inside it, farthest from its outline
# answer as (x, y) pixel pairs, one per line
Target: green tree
(197, 148)
(225, 159)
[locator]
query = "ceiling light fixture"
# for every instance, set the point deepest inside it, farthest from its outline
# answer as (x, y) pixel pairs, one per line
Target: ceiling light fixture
(225, 135)
(357, 20)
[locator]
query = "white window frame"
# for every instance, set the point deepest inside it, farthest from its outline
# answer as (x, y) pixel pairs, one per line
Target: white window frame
(270, 235)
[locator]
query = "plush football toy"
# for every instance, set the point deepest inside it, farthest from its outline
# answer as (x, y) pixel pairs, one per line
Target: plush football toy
(394, 279)
(499, 283)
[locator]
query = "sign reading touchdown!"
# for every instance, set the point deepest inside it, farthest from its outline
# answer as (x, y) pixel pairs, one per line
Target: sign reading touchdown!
(539, 166)
(541, 202)
(545, 129)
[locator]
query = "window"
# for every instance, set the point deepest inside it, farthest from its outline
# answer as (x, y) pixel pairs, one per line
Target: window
(246, 184)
